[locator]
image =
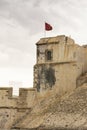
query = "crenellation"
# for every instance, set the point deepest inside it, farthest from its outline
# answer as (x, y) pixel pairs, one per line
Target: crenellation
(26, 97)
(6, 99)
(7, 90)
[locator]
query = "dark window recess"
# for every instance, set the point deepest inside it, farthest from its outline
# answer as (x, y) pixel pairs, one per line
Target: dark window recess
(66, 39)
(48, 55)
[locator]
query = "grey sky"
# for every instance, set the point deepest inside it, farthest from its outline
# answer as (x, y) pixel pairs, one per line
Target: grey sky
(22, 25)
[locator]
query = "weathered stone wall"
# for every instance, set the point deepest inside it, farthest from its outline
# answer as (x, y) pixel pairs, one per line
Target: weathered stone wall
(6, 98)
(10, 116)
(13, 109)
(63, 50)
(68, 61)
(85, 58)
(65, 77)
(81, 54)
(7, 117)
(26, 97)
(24, 100)
(61, 77)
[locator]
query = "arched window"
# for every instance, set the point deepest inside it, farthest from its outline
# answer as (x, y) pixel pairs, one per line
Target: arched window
(48, 54)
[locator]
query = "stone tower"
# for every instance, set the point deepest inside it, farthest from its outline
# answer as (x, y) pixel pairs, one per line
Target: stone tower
(59, 63)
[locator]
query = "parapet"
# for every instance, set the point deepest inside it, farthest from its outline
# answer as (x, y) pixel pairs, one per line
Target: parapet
(24, 100)
(4, 91)
(6, 99)
(26, 97)
(23, 91)
(57, 39)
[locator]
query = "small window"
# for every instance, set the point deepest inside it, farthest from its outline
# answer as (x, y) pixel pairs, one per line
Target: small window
(49, 55)
(66, 39)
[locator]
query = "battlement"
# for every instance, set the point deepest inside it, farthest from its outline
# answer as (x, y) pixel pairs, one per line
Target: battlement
(6, 90)
(26, 97)
(10, 101)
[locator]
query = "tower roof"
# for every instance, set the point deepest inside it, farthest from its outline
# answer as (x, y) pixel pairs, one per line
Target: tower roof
(56, 39)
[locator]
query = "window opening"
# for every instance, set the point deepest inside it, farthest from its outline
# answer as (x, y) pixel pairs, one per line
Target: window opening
(48, 55)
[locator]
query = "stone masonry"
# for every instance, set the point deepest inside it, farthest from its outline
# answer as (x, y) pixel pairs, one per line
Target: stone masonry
(60, 61)
(60, 68)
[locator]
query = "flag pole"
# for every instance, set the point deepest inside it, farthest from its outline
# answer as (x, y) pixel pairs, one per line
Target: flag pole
(44, 33)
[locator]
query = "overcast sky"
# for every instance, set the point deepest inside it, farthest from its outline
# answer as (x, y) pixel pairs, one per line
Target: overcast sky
(22, 25)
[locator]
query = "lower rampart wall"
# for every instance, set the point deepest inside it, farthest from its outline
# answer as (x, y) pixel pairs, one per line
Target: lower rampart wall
(24, 100)
(13, 108)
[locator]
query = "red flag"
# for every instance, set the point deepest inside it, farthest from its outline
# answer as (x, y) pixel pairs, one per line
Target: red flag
(48, 27)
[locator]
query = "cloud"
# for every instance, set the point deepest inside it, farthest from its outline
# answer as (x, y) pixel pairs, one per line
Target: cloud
(22, 25)
(31, 14)
(16, 46)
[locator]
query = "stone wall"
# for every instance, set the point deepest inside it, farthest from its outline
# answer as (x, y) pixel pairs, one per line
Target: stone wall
(26, 97)
(13, 109)
(61, 77)
(7, 117)
(59, 73)
(24, 100)
(67, 62)
(63, 50)
(6, 98)
(85, 58)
